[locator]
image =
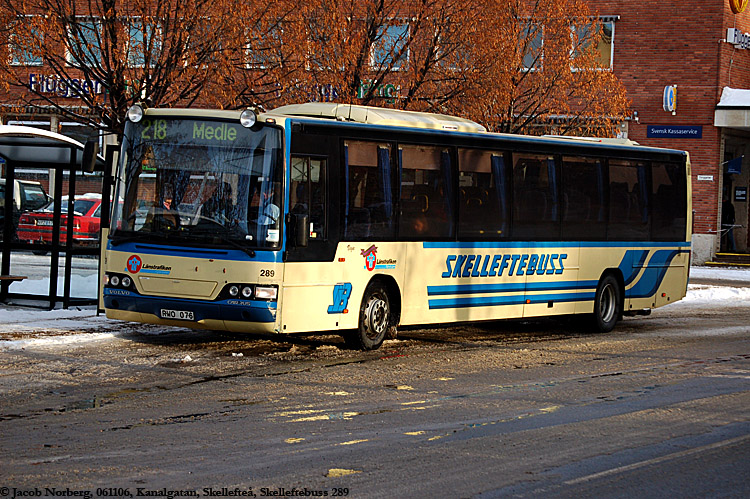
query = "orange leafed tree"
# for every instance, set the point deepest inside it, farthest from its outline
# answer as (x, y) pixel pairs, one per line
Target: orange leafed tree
(544, 68)
(100, 56)
(532, 66)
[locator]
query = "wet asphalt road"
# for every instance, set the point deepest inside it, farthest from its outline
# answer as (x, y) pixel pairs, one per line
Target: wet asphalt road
(658, 407)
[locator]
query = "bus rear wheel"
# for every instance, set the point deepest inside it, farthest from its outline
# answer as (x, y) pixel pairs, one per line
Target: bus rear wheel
(375, 320)
(607, 304)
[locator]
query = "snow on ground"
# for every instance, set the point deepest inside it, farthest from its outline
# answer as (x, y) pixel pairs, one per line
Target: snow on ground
(724, 274)
(61, 326)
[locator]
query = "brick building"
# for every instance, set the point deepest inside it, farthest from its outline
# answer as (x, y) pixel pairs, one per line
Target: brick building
(656, 44)
(652, 45)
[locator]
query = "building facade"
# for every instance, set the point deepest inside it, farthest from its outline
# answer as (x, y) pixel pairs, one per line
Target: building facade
(684, 70)
(677, 62)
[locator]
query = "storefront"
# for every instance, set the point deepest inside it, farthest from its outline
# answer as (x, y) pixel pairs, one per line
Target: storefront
(732, 116)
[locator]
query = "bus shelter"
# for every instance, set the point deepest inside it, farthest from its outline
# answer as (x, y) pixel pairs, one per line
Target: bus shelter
(49, 257)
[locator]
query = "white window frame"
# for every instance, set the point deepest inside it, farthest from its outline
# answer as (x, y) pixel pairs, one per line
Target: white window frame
(24, 56)
(602, 20)
(96, 23)
(402, 38)
(135, 25)
(540, 61)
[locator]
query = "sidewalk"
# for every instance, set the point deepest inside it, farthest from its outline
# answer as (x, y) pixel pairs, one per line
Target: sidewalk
(712, 276)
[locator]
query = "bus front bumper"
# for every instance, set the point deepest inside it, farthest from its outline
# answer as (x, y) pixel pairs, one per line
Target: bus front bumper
(232, 315)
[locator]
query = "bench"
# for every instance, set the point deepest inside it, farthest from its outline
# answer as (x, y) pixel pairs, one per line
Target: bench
(11, 278)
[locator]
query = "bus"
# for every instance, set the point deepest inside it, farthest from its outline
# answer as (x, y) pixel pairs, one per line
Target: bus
(324, 217)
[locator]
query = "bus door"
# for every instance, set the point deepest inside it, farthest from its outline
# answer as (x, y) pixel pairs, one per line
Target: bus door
(309, 277)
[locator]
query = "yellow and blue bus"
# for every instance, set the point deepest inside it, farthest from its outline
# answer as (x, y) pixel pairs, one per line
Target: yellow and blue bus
(328, 217)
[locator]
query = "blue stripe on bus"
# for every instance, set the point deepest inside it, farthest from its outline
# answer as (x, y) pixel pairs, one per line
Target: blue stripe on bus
(265, 256)
(465, 289)
(255, 311)
(490, 301)
(551, 244)
(653, 274)
(631, 265)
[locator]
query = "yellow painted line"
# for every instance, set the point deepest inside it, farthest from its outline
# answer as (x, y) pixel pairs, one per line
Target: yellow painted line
(342, 394)
(326, 417)
(552, 408)
(415, 402)
(336, 472)
(322, 417)
(444, 379)
(352, 442)
(297, 413)
(294, 440)
(414, 433)
(404, 387)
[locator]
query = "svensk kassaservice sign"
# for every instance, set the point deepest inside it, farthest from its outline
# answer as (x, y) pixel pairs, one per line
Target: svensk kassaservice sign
(674, 132)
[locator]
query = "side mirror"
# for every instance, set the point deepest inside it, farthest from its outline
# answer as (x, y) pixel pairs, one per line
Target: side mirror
(301, 230)
(90, 152)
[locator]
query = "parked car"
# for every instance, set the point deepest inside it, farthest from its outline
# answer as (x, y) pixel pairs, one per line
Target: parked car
(35, 227)
(27, 195)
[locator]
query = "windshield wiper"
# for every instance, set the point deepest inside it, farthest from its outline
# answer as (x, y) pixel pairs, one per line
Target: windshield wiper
(115, 239)
(222, 238)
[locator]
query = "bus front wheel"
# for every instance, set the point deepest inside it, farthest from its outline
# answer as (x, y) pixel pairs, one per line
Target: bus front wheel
(374, 319)
(607, 304)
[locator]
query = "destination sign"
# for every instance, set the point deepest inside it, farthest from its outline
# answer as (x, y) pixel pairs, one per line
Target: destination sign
(197, 131)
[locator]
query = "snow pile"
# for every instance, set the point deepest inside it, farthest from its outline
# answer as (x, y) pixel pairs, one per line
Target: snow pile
(21, 327)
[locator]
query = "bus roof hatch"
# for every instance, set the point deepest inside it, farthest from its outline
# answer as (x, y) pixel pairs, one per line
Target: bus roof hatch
(379, 116)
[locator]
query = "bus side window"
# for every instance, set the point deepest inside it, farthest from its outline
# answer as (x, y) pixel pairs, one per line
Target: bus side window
(483, 195)
(426, 186)
(629, 218)
(368, 211)
(536, 212)
(583, 185)
(669, 209)
(307, 192)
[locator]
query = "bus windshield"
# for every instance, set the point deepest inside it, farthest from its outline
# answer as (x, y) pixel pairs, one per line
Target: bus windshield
(207, 181)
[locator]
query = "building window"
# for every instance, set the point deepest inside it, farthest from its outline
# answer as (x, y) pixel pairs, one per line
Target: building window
(84, 43)
(263, 51)
(24, 42)
(601, 42)
(391, 47)
(144, 44)
(532, 39)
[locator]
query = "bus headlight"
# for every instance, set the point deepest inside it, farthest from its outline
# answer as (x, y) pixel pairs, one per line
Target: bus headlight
(234, 291)
(248, 118)
(247, 292)
(135, 113)
(114, 280)
(265, 293)
(126, 282)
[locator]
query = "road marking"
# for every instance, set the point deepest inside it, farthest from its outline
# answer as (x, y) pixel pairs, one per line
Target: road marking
(336, 472)
(352, 442)
(657, 460)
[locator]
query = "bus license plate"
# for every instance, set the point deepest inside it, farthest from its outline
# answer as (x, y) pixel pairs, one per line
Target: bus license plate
(183, 315)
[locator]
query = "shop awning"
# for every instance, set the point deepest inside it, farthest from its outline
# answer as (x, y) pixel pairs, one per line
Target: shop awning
(24, 146)
(733, 109)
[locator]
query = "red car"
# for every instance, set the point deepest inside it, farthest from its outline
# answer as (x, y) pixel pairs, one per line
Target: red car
(35, 227)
